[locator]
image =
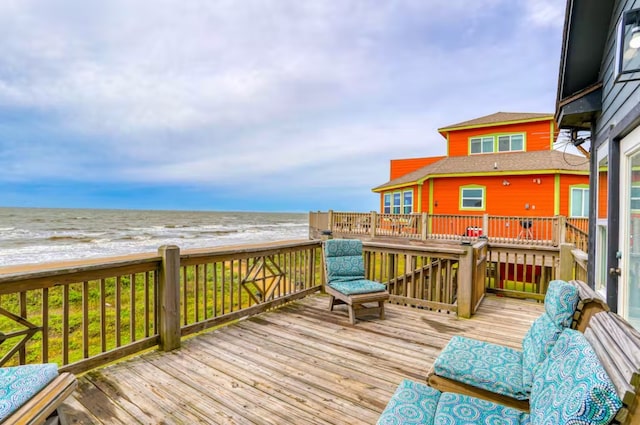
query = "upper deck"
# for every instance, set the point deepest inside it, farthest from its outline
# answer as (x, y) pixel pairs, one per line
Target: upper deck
(297, 364)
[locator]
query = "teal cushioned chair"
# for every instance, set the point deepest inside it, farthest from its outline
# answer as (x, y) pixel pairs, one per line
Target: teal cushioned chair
(501, 373)
(346, 283)
(569, 387)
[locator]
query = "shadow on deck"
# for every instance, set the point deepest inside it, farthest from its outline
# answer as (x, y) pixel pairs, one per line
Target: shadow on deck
(298, 364)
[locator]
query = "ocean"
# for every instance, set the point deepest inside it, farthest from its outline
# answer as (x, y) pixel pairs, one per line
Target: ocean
(42, 235)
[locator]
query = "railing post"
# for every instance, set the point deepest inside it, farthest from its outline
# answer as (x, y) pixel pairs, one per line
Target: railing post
(566, 267)
(374, 223)
(330, 219)
(485, 224)
(560, 230)
(169, 297)
(424, 234)
(465, 283)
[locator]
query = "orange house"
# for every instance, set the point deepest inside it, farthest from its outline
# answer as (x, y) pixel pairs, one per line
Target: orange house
(500, 164)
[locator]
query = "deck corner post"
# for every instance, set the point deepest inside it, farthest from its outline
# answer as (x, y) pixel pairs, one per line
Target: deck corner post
(485, 224)
(566, 267)
(424, 234)
(374, 223)
(465, 283)
(169, 298)
(330, 220)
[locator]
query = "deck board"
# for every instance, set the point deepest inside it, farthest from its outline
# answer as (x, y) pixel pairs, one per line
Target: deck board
(300, 364)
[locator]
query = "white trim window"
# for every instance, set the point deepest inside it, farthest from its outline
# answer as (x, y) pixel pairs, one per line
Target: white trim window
(407, 201)
(579, 202)
(472, 198)
(511, 143)
(397, 202)
(386, 208)
(482, 144)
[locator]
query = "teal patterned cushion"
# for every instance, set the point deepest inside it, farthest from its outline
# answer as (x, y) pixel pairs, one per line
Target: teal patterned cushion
(489, 366)
(537, 343)
(462, 409)
(412, 403)
(560, 302)
(361, 286)
(572, 387)
(18, 384)
(343, 259)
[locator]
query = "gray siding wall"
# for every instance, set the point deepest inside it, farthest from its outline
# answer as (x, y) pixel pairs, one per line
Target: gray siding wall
(618, 98)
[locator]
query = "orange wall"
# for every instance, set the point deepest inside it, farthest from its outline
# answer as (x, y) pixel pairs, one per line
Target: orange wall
(538, 136)
(565, 183)
(400, 167)
(500, 199)
(603, 195)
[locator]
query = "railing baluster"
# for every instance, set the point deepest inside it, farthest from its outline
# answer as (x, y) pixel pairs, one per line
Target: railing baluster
(85, 319)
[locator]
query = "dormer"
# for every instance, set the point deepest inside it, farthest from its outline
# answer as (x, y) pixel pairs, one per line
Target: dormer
(500, 133)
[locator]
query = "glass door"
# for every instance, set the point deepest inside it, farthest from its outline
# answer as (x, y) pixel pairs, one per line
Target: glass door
(629, 245)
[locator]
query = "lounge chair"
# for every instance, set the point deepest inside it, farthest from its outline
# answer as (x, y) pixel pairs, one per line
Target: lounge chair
(502, 374)
(569, 387)
(31, 394)
(346, 283)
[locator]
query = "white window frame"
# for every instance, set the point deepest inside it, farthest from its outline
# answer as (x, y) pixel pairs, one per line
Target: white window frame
(406, 206)
(481, 140)
(510, 137)
(396, 207)
(585, 202)
(482, 198)
(386, 203)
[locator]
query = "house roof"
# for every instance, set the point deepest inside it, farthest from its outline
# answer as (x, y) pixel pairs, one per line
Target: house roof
(494, 164)
(498, 118)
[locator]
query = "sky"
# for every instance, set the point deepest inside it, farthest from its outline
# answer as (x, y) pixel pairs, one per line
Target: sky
(252, 105)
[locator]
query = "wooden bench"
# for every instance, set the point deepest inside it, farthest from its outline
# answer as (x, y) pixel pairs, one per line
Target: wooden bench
(617, 345)
(590, 303)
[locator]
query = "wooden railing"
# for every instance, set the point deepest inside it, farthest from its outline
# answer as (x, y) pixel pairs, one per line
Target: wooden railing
(511, 230)
(83, 316)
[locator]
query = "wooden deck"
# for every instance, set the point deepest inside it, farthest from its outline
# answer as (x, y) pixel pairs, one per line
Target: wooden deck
(300, 364)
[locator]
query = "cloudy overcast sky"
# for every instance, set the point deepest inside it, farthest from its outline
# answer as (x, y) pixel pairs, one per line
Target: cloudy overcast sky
(261, 105)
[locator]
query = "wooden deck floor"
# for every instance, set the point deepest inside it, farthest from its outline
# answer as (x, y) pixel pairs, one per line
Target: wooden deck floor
(300, 364)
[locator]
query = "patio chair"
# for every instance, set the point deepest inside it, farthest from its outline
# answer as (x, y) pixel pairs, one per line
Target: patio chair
(31, 394)
(502, 374)
(345, 280)
(569, 387)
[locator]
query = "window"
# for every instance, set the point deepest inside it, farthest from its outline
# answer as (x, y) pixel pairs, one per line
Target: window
(387, 204)
(514, 142)
(635, 196)
(482, 145)
(396, 203)
(579, 202)
(407, 201)
(497, 143)
(472, 198)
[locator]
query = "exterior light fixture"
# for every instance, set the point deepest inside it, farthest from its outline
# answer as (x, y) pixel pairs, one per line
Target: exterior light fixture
(628, 47)
(505, 182)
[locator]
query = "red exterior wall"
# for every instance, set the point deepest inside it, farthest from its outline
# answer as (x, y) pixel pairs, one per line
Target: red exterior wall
(400, 167)
(538, 136)
(565, 183)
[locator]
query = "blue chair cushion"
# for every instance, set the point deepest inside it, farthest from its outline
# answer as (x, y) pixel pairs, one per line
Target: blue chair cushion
(342, 247)
(360, 286)
(412, 403)
(492, 367)
(560, 302)
(536, 345)
(571, 386)
(18, 384)
(462, 409)
(343, 260)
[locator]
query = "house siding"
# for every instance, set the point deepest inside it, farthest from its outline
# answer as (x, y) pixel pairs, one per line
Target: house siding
(618, 98)
(400, 167)
(538, 136)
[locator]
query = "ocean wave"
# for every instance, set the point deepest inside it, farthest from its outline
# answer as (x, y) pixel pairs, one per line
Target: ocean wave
(61, 238)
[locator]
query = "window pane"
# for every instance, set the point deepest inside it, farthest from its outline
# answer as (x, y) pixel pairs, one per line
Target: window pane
(387, 199)
(585, 203)
(408, 196)
(472, 193)
(487, 144)
(503, 143)
(517, 142)
(475, 146)
(396, 203)
(576, 202)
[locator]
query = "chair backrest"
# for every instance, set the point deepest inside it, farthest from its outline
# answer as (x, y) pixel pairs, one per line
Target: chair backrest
(559, 306)
(571, 386)
(343, 260)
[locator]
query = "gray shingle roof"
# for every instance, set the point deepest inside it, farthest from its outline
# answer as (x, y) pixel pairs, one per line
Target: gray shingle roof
(499, 163)
(498, 117)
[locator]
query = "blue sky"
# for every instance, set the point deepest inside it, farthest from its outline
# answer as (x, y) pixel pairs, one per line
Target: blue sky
(252, 105)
